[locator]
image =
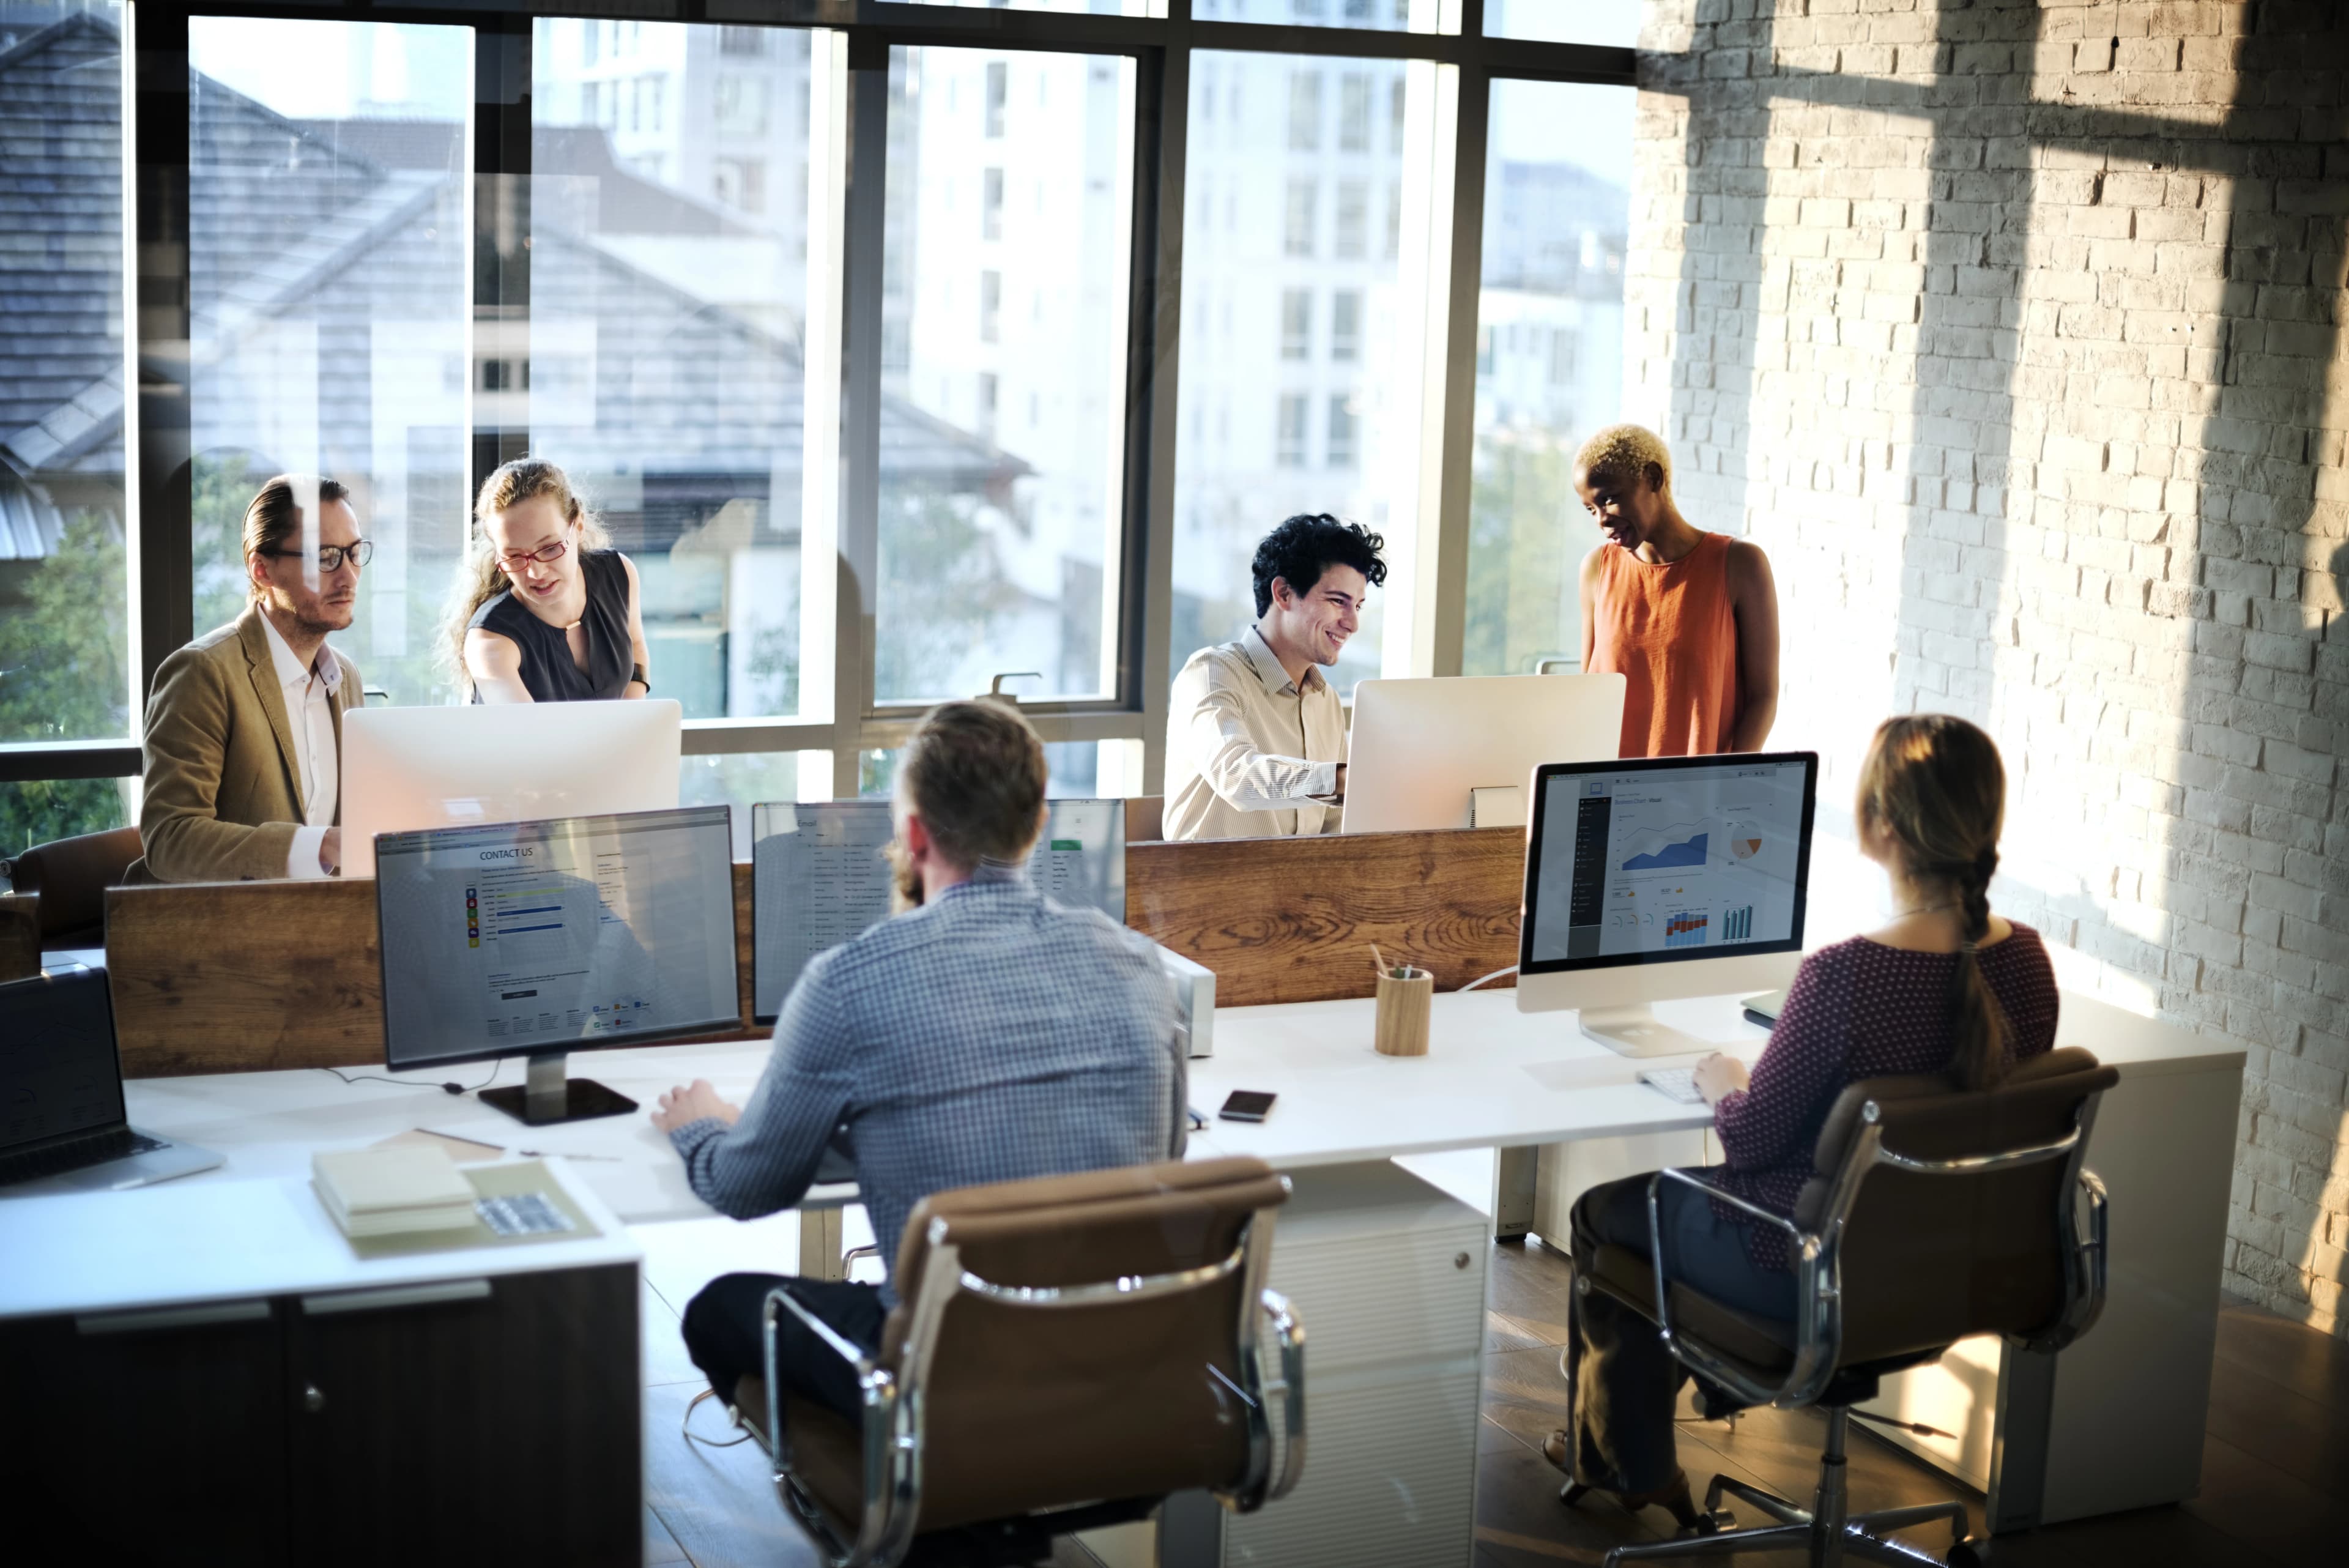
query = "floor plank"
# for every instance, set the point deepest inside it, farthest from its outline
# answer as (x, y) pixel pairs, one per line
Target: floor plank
(718, 1503)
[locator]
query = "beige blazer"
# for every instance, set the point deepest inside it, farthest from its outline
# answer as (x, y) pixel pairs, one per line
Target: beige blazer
(223, 795)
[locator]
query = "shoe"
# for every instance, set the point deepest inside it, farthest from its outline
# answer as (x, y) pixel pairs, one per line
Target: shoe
(1672, 1496)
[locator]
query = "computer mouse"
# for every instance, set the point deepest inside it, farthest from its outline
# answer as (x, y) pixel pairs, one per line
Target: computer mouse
(452, 1088)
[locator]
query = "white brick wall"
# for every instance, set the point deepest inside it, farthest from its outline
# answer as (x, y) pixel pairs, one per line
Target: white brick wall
(2014, 332)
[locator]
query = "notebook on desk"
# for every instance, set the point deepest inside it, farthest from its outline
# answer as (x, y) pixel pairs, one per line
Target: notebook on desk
(63, 1126)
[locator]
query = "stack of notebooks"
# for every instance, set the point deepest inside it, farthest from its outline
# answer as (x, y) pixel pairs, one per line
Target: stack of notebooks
(393, 1191)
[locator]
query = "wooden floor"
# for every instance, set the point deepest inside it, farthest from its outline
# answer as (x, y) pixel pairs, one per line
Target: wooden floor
(2275, 1469)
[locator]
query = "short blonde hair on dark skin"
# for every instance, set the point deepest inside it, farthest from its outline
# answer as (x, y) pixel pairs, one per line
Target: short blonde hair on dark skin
(1625, 452)
(974, 772)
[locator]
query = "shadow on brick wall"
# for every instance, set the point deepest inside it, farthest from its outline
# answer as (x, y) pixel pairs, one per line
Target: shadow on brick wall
(2235, 541)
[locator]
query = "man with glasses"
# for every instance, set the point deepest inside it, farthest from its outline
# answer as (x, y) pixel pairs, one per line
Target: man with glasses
(244, 726)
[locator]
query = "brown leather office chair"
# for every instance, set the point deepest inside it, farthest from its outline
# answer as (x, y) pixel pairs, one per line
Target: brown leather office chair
(71, 875)
(1931, 1215)
(1066, 1352)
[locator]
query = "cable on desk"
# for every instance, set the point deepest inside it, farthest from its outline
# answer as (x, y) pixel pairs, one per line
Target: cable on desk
(450, 1087)
(691, 1436)
(1494, 975)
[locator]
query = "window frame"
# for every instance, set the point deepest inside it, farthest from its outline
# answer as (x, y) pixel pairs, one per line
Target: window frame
(843, 718)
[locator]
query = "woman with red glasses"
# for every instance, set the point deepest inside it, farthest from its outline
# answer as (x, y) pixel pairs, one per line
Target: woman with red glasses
(549, 612)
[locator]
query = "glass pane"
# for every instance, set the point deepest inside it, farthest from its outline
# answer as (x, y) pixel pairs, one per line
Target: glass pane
(46, 809)
(743, 779)
(64, 631)
(1372, 15)
(661, 362)
(328, 236)
(1615, 22)
(1293, 230)
(1071, 770)
(1003, 372)
(1549, 361)
(1095, 7)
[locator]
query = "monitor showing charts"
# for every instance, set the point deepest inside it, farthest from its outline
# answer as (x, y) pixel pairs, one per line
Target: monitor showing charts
(1668, 859)
(818, 878)
(535, 938)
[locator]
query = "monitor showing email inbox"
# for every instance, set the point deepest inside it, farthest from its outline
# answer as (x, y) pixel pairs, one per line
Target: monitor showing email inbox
(1640, 862)
(536, 938)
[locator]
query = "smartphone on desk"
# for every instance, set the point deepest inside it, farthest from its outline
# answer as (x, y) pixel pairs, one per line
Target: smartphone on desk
(1247, 1105)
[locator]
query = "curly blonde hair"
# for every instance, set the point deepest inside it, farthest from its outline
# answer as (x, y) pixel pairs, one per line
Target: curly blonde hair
(480, 575)
(1624, 450)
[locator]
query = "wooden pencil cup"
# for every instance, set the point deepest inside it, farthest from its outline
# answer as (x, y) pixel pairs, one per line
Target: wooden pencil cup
(1403, 1000)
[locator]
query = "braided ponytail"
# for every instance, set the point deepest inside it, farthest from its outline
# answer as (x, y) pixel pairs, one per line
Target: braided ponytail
(1934, 786)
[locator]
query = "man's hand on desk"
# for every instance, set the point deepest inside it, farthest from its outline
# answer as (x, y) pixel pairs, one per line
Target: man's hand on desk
(1718, 1076)
(690, 1102)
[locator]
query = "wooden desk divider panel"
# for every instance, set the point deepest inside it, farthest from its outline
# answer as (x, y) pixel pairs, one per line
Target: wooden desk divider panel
(20, 936)
(1291, 919)
(247, 977)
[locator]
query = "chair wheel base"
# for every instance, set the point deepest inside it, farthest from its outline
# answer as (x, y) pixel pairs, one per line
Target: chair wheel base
(1971, 1552)
(1572, 1492)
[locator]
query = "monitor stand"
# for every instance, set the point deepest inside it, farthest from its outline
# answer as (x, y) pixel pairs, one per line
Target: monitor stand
(1634, 1032)
(548, 1097)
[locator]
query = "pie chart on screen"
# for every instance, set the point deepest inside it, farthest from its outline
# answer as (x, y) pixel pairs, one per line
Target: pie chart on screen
(1744, 840)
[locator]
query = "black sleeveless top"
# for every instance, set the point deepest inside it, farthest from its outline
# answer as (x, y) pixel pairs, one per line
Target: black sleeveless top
(547, 670)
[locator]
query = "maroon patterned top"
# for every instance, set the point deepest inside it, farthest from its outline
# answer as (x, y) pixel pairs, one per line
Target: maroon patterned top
(1858, 1010)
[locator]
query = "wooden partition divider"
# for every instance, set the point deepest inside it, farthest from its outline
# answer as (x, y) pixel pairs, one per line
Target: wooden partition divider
(20, 936)
(244, 977)
(1292, 919)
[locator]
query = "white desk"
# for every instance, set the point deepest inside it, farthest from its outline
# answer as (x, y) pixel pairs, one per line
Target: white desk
(1493, 1077)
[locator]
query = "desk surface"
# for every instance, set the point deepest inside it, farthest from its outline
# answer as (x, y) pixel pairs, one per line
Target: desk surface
(209, 1238)
(1493, 1077)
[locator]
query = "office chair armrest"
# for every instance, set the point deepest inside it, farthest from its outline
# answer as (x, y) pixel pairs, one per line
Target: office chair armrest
(1287, 1389)
(1819, 1321)
(876, 1430)
(2084, 1269)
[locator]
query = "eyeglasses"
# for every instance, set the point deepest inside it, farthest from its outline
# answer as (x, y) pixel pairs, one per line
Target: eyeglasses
(330, 557)
(545, 555)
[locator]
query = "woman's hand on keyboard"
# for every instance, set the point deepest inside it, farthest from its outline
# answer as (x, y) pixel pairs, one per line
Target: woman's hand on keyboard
(1718, 1076)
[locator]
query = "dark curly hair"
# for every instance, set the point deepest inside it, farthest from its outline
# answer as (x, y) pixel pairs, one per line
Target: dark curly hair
(1309, 544)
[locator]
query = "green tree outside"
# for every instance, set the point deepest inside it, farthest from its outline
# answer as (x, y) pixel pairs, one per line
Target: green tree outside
(1525, 546)
(63, 648)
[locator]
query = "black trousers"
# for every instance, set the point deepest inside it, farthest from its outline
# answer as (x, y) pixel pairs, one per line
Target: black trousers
(1622, 1384)
(725, 1332)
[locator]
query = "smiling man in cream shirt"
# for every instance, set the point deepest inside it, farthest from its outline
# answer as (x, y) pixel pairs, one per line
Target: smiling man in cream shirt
(244, 741)
(1256, 737)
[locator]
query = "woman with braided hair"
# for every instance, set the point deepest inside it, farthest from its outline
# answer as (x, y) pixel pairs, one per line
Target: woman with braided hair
(1948, 986)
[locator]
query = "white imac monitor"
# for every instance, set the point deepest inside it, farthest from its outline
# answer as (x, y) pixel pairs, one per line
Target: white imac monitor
(1421, 750)
(1652, 879)
(538, 939)
(410, 768)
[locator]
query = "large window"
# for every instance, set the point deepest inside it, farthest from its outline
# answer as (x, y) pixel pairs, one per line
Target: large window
(1002, 467)
(666, 334)
(64, 672)
(891, 365)
(1549, 361)
(1286, 329)
(329, 233)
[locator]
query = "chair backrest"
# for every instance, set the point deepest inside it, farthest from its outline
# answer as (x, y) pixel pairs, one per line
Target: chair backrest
(71, 875)
(1929, 1259)
(1036, 1391)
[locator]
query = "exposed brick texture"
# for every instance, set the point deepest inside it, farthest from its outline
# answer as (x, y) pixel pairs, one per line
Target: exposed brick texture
(2013, 332)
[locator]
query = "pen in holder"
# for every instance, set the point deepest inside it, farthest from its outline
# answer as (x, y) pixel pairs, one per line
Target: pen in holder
(1404, 994)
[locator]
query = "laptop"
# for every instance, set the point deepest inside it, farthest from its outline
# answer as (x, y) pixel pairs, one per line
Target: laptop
(62, 1124)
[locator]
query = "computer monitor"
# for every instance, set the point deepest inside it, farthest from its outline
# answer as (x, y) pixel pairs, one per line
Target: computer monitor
(1421, 750)
(1652, 879)
(407, 768)
(538, 939)
(818, 878)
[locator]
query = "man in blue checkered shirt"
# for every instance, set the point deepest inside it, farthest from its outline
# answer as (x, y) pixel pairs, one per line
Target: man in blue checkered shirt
(987, 1035)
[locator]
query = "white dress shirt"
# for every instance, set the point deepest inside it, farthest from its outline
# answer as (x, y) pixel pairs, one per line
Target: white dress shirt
(310, 715)
(1248, 750)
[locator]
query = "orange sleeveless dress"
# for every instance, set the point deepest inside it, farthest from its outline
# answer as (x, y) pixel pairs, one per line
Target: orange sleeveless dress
(1668, 630)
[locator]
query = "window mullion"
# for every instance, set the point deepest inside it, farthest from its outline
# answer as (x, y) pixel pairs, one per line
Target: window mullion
(157, 445)
(864, 239)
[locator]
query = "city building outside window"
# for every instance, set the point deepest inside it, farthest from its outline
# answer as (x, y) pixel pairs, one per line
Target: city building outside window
(1290, 451)
(1305, 110)
(1345, 326)
(1351, 240)
(1297, 228)
(1297, 324)
(1340, 450)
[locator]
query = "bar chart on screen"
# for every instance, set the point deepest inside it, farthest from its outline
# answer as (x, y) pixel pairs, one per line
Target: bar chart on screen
(1737, 925)
(1685, 928)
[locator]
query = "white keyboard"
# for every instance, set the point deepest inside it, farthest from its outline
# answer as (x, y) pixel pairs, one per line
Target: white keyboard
(1675, 1084)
